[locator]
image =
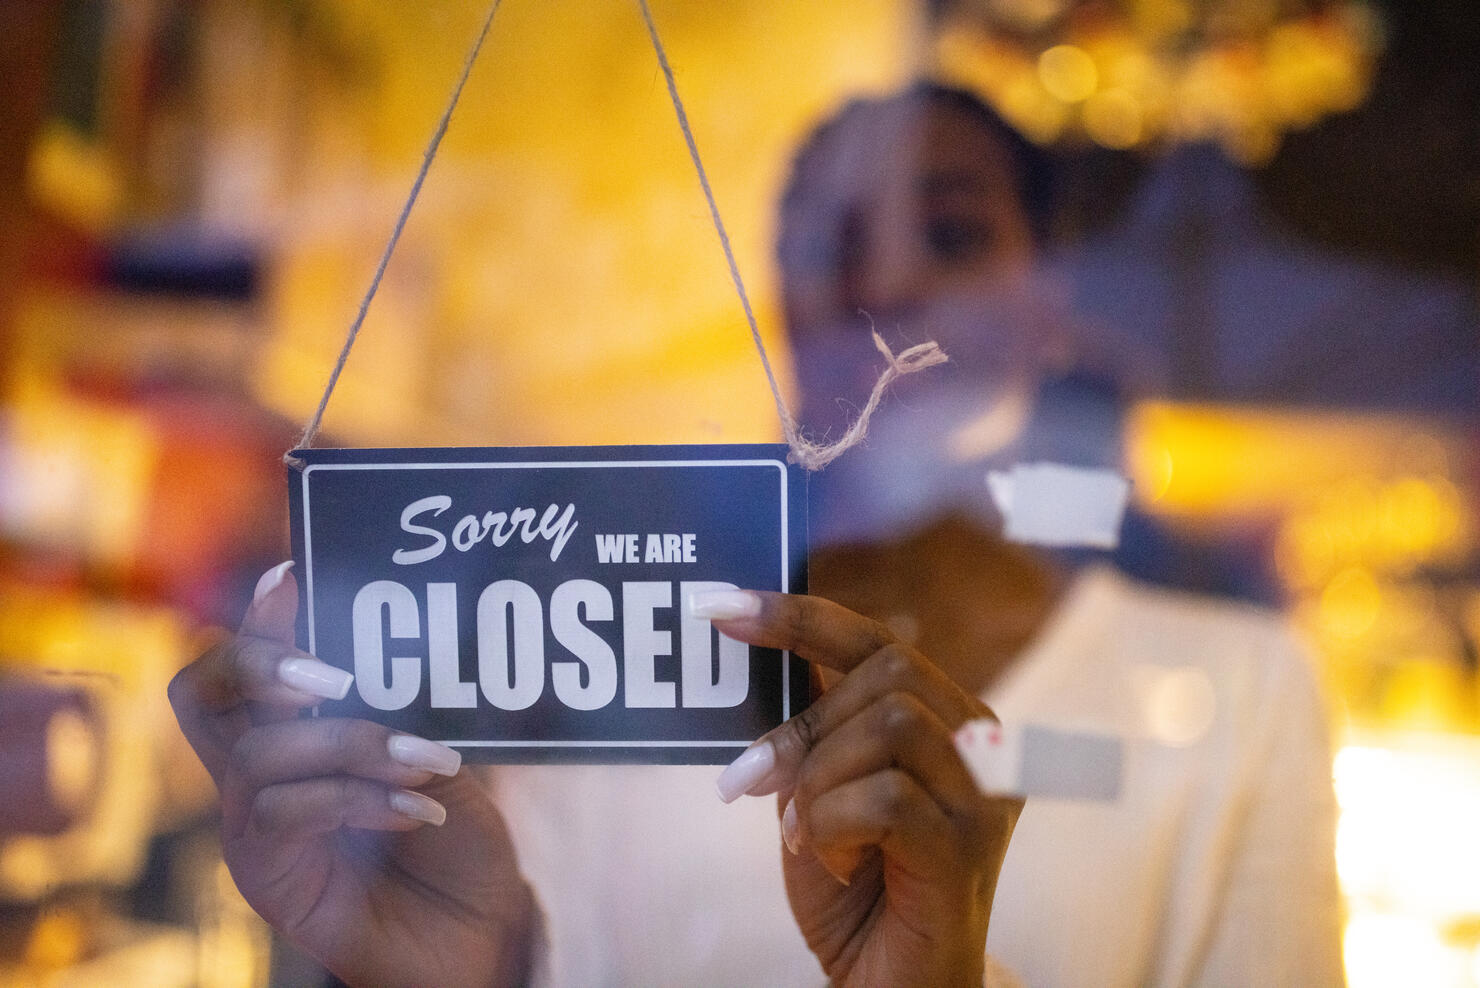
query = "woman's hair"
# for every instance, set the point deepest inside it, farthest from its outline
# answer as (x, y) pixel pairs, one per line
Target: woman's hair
(1032, 167)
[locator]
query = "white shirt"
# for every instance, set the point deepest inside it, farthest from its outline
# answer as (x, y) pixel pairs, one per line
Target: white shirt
(1214, 866)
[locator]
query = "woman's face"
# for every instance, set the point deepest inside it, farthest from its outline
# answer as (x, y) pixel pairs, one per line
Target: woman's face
(908, 217)
(910, 202)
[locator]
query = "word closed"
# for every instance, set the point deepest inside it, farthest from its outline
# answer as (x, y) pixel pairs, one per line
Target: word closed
(512, 662)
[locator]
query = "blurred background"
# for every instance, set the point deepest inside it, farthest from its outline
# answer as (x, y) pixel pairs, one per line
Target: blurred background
(1270, 212)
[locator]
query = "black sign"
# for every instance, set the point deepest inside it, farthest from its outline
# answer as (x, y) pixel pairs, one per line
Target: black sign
(527, 604)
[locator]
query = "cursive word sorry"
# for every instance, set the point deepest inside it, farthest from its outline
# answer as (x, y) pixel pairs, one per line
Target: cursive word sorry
(498, 527)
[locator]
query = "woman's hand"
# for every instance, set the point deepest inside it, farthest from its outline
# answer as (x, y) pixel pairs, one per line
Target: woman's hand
(894, 852)
(366, 847)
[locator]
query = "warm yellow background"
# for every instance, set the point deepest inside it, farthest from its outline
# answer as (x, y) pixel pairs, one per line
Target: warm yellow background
(560, 281)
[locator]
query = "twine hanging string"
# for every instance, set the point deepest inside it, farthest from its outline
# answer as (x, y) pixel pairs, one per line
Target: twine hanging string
(805, 452)
(312, 429)
(808, 453)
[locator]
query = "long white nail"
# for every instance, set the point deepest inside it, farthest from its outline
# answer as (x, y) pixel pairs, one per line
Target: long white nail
(722, 605)
(429, 756)
(745, 772)
(791, 827)
(315, 677)
(418, 807)
(270, 581)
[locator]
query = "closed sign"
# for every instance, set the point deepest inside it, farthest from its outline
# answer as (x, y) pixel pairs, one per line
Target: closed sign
(526, 604)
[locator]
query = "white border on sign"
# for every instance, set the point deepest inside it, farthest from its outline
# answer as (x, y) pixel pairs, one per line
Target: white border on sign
(567, 464)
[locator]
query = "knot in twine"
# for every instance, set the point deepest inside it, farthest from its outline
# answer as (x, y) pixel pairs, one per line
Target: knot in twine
(815, 455)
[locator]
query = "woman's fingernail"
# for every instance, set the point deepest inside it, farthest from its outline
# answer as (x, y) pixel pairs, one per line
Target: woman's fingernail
(429, 756)
(315, 677)
(722, 605)
(270, 581)
(790, 827)
(418, 807)
(742, 775)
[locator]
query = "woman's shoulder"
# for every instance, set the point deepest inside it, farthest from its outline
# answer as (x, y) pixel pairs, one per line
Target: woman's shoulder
(1198, 628)
(1115, 635)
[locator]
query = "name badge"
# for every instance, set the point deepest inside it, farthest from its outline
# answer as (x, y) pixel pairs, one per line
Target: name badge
(527, 604)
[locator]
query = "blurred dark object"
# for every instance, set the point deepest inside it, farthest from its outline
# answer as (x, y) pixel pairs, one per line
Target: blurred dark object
(184, 261)
(1204, 296)
(49, 756)
(1398, 178)
(1231, 563)
(179, 261)
(28, 33)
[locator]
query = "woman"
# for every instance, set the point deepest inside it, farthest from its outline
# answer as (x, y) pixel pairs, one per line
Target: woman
(913, 209)
(1215, 863)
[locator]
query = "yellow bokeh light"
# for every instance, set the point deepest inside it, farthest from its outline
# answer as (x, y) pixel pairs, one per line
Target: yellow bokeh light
(1417, 516)
(1350, 603)
(1113, 119)
(1031, 109)
(1068, 73)
(1424, 694)
(58, 940)
(69, 177)
(1305, 553)
(1239, 74)
(1350, 510)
